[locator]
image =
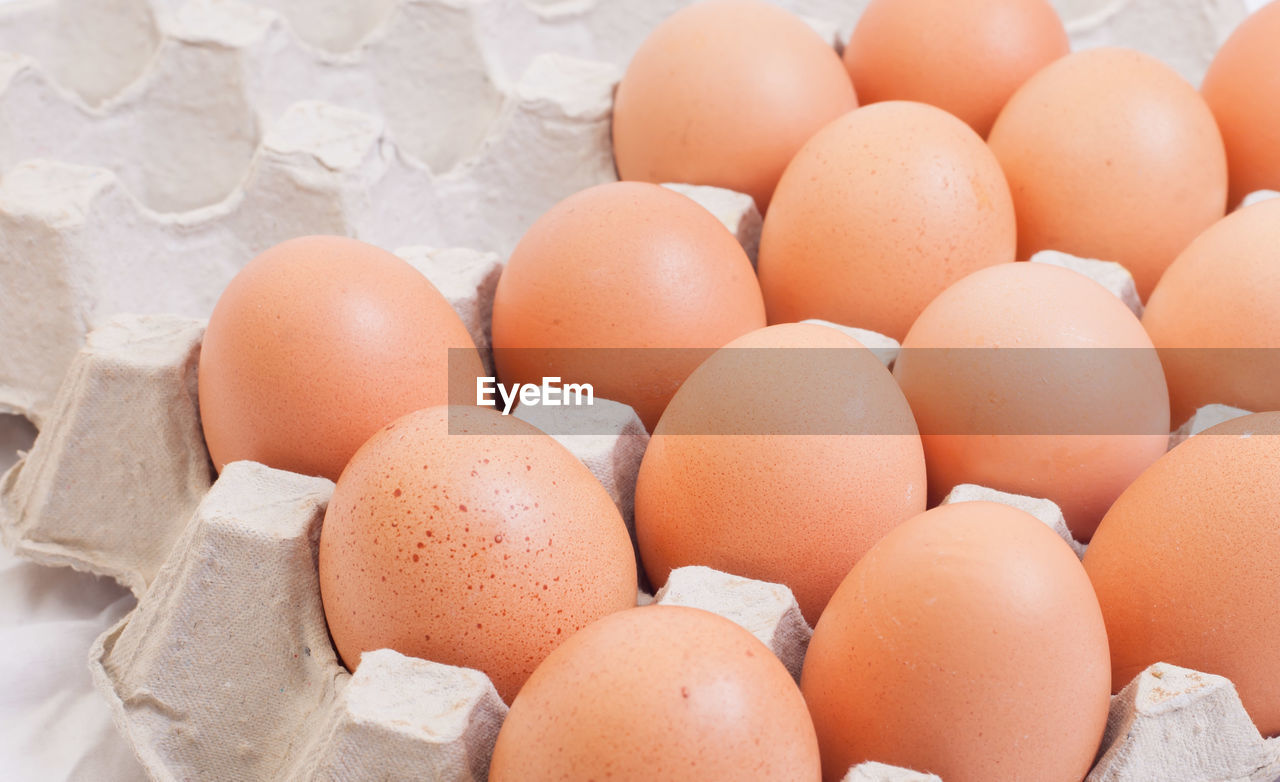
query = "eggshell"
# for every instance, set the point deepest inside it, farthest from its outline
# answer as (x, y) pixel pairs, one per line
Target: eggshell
(1215, 316)
(782, 458)
(967, 643)
(1035, 380)
(967, 58)
(659, 692)
(723, 93)
(1242, 87)
(469, 538)
(315, 344)
(877, 214)
(622, 269)
(1111, 155)
(1184, 564)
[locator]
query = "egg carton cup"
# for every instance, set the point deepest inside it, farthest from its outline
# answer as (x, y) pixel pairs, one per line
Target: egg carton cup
(225, 668)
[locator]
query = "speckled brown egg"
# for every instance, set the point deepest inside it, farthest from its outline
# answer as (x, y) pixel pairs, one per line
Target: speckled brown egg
(318, 342)
(470, 538)
(967, 643)
(658, 693)
(1215, 316)
(965, 57)
(610, 274)
(1036, 380)
(723, 93)
(1184, 564)
(1242, 88)
(878, 213)
(1111, 154)
(784, 457)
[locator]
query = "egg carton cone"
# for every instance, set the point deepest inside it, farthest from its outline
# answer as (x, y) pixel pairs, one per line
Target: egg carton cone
(879, 772)
(1175, 724)
(1045, 510)
(1202, 419)
(1258, 196)
(1108, 274)
(884, 347)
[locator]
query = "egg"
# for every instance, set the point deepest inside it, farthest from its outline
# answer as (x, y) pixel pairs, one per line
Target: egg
(723, 93)
(627, 286)
(967, 643)
(1215, 316)
(1036, 380)
(1112, 155)
(782, 458)
(1184, 564)
(967, 57)
(659, 692)
(877, 214)
(470, 538)
(1242, 87)
(318, 342)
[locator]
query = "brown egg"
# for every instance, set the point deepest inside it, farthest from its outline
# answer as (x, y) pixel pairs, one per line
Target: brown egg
(315, 344)
(1111, 154)
(467, 537)
(1242, 88)
(723, 93)
(1184, 564)
(620, 269)
(1215, 316)
(967, 57)
(660, 692)
(782, 458)
(1033, 379)
(880, 212)
(967, 643)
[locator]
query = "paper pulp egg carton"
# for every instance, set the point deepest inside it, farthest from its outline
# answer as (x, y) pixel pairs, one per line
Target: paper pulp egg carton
(149, 148)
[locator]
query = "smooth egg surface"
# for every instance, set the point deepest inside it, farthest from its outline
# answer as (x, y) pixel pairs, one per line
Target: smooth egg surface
(318, 342)
(878, 213)
(723, 93)
(967, 643)
(654, 693)
(783, 458)
(1112, 155)
(1184, 564)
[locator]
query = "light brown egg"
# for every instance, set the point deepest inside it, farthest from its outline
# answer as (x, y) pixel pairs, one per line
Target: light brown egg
(1034, 379)
(1215, 316)
(1242, 88)
(965, 57)
(1184, 564)
(1110, 154)
(784, 457)
(610, 274)
(967, 643)
(880, 212)
(723, 93)
(315, 344)
(658, 693)
(467, 537)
